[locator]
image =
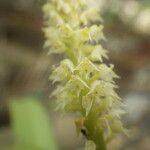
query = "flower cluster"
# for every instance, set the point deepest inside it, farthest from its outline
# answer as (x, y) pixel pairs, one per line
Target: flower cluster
(84, 83)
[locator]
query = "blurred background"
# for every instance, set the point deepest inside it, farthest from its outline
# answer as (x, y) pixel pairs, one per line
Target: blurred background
(25, 66)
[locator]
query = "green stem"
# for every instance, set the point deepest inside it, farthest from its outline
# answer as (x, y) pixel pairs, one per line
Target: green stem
(94, 133)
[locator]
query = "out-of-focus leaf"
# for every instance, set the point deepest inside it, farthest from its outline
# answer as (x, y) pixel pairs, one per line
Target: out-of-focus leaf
(31, 126)
(21, 147)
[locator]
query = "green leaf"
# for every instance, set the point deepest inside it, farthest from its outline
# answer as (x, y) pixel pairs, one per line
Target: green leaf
(31, 126)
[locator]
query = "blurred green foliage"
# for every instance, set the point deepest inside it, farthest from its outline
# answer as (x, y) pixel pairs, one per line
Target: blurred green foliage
(31, 126)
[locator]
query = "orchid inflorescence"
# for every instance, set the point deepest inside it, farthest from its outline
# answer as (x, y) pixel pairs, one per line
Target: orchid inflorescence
(85, 85)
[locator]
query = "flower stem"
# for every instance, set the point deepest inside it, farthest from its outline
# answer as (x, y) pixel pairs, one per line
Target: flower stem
(94, 133)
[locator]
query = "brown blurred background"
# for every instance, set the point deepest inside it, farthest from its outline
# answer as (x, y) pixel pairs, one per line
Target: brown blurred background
(25, 66)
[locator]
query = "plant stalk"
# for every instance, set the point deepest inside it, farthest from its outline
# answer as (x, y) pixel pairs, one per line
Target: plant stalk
(94, 133)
